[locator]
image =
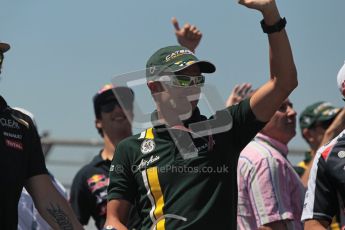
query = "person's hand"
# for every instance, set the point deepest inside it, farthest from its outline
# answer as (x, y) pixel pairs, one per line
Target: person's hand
(188, 36)
(239, 92)
(260, 5)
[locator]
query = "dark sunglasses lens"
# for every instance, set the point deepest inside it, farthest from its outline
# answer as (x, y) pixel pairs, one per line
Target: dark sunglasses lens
(183, 80)
(190, 80)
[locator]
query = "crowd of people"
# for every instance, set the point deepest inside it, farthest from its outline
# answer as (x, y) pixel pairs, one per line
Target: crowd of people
(187, 171)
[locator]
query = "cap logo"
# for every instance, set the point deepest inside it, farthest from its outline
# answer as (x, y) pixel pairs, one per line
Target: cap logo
(152, 69)
(330, 112)
(321, 107)
(177, 53)
(184, 63)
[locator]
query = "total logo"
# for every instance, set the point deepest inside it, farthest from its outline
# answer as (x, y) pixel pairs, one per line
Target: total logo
(9, 123)
(14, 144)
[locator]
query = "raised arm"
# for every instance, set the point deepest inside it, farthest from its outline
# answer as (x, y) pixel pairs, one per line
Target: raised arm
(283, 75)
(51, 204)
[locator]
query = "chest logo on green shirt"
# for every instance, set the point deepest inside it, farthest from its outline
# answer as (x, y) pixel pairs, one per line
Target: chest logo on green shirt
(147, 146)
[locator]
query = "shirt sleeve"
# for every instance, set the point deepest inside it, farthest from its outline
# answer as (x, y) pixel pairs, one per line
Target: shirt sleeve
(37, 164)
(321, 197)
(269, 198)
(81, 199)
(122, 183)
(244, 123)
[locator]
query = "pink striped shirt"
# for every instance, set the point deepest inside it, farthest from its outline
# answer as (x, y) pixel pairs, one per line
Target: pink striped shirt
(269, 189)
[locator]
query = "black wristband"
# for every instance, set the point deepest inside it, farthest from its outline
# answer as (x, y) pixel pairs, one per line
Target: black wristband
(278, 26)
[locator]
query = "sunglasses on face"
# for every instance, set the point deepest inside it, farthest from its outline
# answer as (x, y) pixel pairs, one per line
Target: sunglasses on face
(111, 105)
(183, 80)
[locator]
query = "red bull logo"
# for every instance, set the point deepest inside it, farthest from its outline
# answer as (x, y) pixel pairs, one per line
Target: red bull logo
(98, 181)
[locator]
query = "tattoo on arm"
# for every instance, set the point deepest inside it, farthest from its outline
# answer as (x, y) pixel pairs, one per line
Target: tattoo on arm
(60, 217)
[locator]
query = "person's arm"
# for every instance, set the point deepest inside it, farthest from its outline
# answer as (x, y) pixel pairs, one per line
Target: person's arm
(283, 74)
(188, 36)
(316, 225)
(51, 204)
(117, 214)
(278, 225)
(122, 189)
(335, 128)
(305, 176)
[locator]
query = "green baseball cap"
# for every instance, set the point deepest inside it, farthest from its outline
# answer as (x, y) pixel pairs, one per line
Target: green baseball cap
(173, 59)
(319, 111)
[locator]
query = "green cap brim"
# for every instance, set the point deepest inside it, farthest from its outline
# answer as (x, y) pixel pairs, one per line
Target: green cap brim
(205, 67)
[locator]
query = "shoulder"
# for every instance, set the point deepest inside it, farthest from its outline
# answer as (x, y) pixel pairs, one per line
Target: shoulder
(130, 144)
(128, 149)
(241, 107)
(84, 172)
(257, 150)
(131, 141)
(22, 118)
(335, 148)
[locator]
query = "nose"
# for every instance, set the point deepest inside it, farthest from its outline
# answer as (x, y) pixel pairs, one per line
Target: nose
(291, 111)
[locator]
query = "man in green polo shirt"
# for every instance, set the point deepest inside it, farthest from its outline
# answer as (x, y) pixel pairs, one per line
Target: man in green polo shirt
(181, 174)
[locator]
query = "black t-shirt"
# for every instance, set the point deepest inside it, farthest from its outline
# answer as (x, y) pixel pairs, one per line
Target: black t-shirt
(175, 191)
(88, 196)
(21, 158)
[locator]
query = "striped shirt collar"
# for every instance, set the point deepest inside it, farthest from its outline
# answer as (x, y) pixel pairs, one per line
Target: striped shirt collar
(283, 148)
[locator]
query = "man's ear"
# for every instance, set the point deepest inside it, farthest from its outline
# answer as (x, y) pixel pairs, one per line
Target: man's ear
(98, 123)
(306, 133)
